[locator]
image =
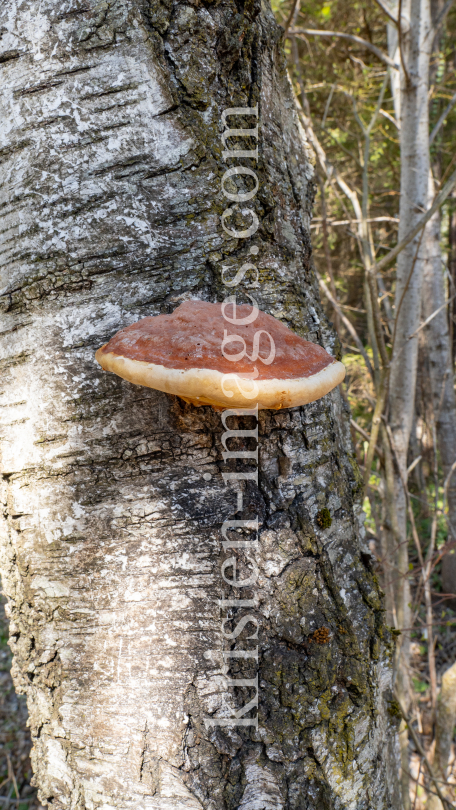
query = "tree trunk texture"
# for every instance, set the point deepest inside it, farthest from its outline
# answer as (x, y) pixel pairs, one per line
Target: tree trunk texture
(452, 271)
(113, 494)
(437, 382)
(412, 49)
(415, 47)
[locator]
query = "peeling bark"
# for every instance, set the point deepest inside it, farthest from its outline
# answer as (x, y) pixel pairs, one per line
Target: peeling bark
(113, 496)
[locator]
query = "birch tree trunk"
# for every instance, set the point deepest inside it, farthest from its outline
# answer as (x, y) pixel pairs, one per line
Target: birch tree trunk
(438, 352)
(439, 376)
(113, 495)
(414, 136)
(411, 48)
(452, 270)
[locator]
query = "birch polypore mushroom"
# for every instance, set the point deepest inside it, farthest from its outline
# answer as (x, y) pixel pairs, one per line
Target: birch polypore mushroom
(224, 355)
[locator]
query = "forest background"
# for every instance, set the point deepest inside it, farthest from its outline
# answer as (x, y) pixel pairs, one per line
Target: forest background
(340, 57)
(347, 61)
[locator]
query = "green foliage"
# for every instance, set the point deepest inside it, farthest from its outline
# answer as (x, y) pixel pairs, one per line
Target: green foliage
(419, 686)
(370, 521)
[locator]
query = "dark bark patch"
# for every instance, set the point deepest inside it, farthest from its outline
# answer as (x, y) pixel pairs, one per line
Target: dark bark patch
(323, 518)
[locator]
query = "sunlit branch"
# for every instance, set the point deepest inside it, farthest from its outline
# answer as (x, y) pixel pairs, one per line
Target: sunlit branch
(299, 32)
(438, 202)
(386, 11)
(391, 118)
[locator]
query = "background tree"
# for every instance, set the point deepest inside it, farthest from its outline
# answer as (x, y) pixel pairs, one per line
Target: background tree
(373, 143)
(113, 495)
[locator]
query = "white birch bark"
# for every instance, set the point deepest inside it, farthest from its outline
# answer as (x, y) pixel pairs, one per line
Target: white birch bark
(411, 49)
(438, 374)
(438, 351)
(112, 495)
(414, 138)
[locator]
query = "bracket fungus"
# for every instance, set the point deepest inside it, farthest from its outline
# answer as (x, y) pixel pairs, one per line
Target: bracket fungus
(223, 355)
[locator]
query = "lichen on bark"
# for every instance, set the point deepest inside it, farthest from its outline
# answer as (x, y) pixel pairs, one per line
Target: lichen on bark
(110, 544)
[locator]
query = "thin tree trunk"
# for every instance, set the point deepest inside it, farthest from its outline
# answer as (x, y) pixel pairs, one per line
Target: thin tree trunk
(113, 496)
(437, 348)
(439, 353)
(416, 23)
(452, 273)
(412, 47)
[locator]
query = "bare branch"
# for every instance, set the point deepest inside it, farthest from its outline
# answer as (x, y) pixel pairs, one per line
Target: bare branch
(431, 317)
(382, 391)
(401, 51)
(420, 750)
(299, 32)
(366, 436)
(413, 465)
(329, 265)
(363, 237)
(328, 169)
(440, 19)
(378, 105)
(292, 15)
(327, 105)
(441, 120)
(391, 118)
(348, 325)
(316, 221)
(439, 200)
(358, 118)
(386, 11)
(341, 145)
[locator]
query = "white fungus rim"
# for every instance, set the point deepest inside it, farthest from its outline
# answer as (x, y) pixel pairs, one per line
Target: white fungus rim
(205, 386)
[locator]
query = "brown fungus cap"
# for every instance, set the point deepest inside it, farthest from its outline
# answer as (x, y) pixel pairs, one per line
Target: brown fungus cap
(188, 353)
